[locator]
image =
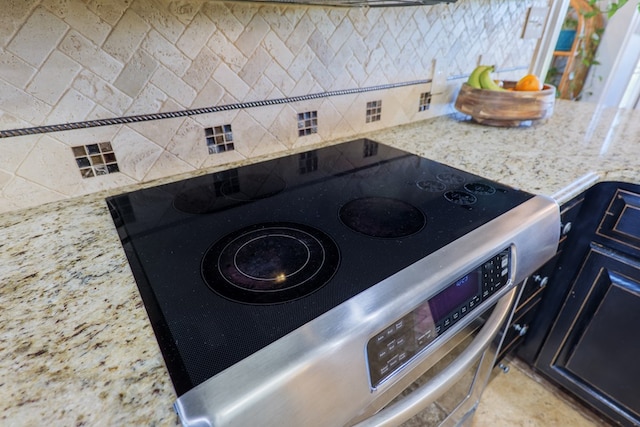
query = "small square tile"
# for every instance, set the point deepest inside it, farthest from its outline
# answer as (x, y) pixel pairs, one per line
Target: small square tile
(83, 162)
(97, 160)
(86, 173)
(93, 149)
(79, 151)
(105, 147)
(109, 157)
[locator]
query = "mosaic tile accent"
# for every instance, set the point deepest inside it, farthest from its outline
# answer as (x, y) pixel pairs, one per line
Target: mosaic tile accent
(95, 159)
(219, 139)
(307, 123)
(425, 101)
(374, 111)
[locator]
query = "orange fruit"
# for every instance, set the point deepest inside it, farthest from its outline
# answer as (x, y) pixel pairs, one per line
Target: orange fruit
(530, 82)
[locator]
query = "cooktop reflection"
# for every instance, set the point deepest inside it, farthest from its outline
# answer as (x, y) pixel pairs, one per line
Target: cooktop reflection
(229, 262)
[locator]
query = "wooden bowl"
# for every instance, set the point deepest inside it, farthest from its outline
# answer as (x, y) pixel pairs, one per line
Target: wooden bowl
(505, 108)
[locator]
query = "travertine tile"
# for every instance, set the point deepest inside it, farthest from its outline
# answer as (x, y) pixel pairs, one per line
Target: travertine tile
(38, 37)
(107, 95)
(226, 51)
(136, 154)
(150, 97)
(109, 10)
(188, 143)
(195, 36)
(72, 107)
(49, 89)
(165, 52)
(160, 18)
(252, 36)
(14, 70)
(80, 18)
(174, 87)
(126, 36)
(166, 165)
(49, 164)
(136, 74)
(90, 56)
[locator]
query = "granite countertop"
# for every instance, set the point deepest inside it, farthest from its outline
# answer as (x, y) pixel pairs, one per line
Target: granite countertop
(76, 346)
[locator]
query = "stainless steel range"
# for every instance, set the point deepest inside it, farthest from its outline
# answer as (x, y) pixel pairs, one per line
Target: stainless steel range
(314, 289)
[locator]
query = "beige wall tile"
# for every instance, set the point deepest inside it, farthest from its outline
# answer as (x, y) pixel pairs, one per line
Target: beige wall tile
(80, 18)
(53, 78)
(136, 154)
(38, 37)
(114, 58)
(126, 36)
(90, 56)
(14, 70)
(105, 94)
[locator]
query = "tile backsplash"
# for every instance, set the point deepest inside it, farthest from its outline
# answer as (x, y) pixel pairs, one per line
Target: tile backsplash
(64, 62)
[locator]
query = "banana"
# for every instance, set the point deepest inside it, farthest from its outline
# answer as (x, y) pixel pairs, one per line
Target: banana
(474, 77)
(486, 82)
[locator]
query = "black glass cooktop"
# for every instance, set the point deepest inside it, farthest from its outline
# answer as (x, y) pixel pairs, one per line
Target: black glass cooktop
(229, 262)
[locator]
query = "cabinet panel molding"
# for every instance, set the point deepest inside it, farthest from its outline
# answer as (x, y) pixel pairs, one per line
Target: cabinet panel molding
(592, 348)
(621, 222)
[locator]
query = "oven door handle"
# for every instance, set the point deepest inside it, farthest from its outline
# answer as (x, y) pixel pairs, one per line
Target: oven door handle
(429, 392)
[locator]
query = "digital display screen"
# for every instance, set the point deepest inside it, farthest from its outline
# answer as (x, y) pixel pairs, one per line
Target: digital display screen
(456, 294)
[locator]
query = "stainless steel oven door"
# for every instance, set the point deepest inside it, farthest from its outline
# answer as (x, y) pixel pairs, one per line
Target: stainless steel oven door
(449, 391)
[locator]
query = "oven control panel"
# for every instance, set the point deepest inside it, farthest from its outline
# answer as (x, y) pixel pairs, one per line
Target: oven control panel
(400, 341)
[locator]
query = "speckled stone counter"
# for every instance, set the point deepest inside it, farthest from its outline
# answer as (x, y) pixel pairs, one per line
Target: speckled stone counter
(76, 347)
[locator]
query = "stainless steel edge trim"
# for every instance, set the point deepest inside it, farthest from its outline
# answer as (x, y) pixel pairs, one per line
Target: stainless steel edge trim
(424, 396)
(576, 187)
(276, 384)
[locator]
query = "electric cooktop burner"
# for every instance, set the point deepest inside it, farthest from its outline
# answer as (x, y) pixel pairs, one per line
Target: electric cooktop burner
(270, 263)
(229, 262)
(382, 217)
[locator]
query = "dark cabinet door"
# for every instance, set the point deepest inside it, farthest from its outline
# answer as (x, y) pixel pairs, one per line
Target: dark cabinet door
(593, 348)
